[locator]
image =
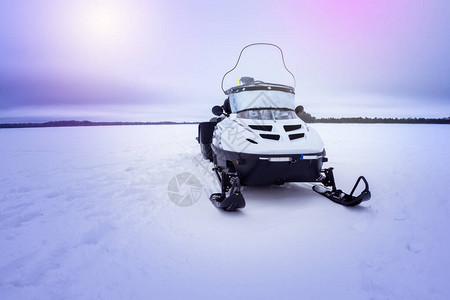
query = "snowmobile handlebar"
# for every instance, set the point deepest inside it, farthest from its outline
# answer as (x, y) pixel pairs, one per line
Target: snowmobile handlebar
(257, 44)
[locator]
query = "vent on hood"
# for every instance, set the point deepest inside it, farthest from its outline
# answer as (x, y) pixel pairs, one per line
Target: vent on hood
(296, 136)
(261, 127)
(275, 137)
(292, 127)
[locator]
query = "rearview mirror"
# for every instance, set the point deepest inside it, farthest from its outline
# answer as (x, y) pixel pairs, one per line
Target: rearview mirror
(217, 110)
(299, 110)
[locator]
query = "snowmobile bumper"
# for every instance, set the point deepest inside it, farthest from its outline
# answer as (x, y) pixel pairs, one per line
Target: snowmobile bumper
(262, 169)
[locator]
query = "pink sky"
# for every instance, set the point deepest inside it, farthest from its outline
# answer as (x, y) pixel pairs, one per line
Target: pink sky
(148, 60)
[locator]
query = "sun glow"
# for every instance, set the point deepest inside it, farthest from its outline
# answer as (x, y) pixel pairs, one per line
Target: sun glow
(100, 35)
(98, 26)
(104, 23)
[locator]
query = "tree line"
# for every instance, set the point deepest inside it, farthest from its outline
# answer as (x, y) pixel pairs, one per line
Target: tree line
(304, 116)
(308, 118)
(73, 123)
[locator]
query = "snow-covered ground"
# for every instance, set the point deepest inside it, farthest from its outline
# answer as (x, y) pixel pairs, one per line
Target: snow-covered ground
(85, 214)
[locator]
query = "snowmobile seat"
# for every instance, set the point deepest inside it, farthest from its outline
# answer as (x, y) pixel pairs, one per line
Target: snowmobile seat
(205, 132)
(205, 135)
(226, 106)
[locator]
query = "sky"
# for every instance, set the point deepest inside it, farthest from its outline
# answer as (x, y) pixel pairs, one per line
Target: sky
(164, 60)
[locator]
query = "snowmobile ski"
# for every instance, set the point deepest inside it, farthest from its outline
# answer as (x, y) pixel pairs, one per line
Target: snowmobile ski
(339, 196)
(230, 198)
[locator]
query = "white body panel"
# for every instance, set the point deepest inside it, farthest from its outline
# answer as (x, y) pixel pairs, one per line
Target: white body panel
(232, 133)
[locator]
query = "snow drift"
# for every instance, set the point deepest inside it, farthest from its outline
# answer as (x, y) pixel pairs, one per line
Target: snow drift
(85, 213)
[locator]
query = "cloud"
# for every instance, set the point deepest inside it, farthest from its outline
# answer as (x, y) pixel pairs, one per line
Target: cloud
(62, 90)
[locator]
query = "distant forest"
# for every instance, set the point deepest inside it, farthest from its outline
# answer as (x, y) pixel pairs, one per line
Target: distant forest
(311, 119)
(73, 123)
(305, 117)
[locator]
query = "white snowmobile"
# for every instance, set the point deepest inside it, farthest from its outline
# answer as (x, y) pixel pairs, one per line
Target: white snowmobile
(258, 138)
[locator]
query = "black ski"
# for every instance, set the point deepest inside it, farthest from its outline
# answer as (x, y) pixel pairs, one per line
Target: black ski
(339, 196)
(230, 198)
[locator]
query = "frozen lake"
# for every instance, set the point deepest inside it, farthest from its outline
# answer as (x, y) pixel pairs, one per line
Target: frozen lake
(85, 213)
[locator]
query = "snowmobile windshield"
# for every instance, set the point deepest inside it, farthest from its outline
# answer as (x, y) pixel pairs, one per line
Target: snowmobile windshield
(267, 114)
(261, 99)
(259, 64)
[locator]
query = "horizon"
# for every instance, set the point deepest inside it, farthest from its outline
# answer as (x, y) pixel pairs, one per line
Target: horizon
(127, 61)
(354, 120)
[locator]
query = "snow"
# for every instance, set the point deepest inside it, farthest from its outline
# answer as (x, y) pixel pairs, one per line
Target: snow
(85, 213)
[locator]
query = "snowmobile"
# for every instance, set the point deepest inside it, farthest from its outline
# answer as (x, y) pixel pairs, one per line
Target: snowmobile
(258, 138)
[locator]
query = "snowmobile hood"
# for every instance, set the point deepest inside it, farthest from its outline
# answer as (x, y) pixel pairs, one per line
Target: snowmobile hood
(266, 137)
